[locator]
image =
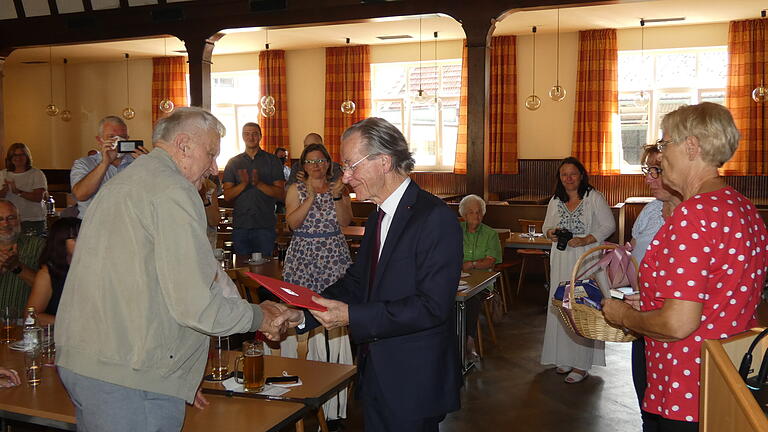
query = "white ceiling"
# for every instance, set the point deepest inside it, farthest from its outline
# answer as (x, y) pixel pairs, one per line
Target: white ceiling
(623, 15)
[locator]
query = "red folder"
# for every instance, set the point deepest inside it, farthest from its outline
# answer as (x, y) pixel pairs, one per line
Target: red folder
(295, 295)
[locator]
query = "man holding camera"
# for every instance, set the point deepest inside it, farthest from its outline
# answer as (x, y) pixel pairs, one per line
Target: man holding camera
(89, 174)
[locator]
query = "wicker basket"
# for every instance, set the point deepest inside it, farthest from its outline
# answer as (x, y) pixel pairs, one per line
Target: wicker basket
(587, 321)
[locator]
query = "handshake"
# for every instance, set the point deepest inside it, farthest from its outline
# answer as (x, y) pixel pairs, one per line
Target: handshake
(278, 318)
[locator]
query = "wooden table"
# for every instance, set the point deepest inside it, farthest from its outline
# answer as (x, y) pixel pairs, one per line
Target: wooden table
(517, 241)
(478, 281)
(353, 232)
(49, 405)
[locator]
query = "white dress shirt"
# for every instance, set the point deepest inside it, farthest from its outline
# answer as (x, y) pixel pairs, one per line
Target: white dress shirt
(390, 207)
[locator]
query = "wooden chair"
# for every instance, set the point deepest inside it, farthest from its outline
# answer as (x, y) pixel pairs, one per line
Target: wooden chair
(249, 288)
(502, 267)
(531, 253)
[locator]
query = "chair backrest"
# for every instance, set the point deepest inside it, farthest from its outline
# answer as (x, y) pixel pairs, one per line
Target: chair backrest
(525, 222)
(249, 288)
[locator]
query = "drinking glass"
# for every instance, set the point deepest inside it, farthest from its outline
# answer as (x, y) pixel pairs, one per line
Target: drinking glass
(33, 366)
(8, 318)
(48, 355)
(218, 358)
(253, 367)
(531, 230)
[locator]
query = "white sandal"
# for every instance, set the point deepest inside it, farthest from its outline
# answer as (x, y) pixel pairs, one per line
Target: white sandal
(575, 377)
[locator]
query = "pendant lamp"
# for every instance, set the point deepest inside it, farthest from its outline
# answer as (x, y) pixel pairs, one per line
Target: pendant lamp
(347, 107)
(557, 92)
(642, 102)
(66, 114)
(267, 102)
(52, 110)
(421, 97)
(436, 101)
(128, 112)
(760, 93)
(533, 102)
(166, 105)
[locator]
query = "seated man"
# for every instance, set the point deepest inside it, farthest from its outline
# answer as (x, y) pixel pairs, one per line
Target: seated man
(18, 258)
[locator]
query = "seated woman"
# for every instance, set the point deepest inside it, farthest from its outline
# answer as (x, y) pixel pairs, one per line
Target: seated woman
(54, 265)
(482, 250)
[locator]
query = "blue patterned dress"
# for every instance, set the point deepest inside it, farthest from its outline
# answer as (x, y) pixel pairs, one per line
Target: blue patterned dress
(318, 254)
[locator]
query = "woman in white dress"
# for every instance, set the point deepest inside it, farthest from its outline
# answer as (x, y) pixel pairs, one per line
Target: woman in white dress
(581, 209)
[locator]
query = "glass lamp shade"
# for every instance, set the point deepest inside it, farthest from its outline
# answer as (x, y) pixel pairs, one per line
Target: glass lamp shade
(642, 101)
(166, 105)
(422, 98)
(66, 115)
(268, 111)
(129, 113)
(760, 93)
(267, 101)
(557, 93)
(348, 107)
(52, 110)
(533, 102)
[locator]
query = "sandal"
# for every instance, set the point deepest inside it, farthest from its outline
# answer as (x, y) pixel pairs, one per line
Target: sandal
(575, 377)
(562, 370)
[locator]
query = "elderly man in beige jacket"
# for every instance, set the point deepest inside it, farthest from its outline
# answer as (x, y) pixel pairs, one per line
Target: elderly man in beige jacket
(142, 296)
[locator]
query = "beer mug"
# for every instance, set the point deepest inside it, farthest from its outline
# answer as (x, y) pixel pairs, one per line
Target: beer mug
(253, 367)
(218, 358)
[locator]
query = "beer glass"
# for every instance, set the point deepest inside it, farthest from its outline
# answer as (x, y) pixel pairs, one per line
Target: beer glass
(218, 358)
(253, 367)
(8, 318)
(531, 230)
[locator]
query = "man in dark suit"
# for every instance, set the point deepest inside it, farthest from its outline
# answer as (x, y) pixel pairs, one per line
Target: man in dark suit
(398, 298)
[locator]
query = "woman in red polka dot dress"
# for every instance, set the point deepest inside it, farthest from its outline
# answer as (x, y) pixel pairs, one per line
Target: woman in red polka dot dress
(703, 273)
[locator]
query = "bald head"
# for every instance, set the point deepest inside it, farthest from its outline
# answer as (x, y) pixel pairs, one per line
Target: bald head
(312, 138)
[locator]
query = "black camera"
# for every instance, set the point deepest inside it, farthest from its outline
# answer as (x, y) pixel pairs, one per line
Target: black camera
(128, 146)
(563, 236)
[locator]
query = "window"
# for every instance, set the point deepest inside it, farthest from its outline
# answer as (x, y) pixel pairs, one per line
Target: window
(659, 82)
(430, 132)
(235, 102)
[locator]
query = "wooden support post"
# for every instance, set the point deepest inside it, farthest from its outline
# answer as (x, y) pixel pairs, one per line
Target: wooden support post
(199, 53)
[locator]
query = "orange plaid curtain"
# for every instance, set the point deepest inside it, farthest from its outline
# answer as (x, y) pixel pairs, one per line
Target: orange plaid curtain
(597, 101)
(460, 163)
(502, 129)
(169, 79)
(274, 129)
(747, 41)
(347, 74)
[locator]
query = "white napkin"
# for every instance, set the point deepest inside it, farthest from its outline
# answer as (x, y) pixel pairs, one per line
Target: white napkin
(269, 390)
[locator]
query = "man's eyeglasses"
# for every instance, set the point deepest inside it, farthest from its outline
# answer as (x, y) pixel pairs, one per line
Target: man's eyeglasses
(652, 171)
(9, 218)
(351, 168)
(315, 161)
(662, 144)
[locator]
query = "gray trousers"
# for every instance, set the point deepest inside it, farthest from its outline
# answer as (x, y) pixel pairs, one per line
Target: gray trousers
(102, 406)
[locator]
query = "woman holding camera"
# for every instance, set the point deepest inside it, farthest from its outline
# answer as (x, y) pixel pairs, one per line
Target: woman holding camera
(577, 209)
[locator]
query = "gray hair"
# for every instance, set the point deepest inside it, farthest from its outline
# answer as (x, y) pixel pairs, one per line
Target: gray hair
(381, 137)
(469, 199)
(168, 127)
(711, 123)
(11, 205)
(110, 119)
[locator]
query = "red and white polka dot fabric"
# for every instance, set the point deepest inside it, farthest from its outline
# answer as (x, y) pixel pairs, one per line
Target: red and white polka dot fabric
(712, 250)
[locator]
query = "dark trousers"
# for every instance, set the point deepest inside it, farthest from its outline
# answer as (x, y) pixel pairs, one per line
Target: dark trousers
(381, 418)
(640, 380)
(666, 425)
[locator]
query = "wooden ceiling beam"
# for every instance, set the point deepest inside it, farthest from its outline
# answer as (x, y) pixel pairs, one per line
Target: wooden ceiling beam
(212, 16)
(53, 7)
(19, 5)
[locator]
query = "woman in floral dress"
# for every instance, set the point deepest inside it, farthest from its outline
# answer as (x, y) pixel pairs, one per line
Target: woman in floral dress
(318, 255)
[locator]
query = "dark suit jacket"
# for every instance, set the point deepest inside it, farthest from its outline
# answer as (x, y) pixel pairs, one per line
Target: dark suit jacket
(408, 321)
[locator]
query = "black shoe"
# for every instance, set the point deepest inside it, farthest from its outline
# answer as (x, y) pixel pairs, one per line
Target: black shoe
(335, 425)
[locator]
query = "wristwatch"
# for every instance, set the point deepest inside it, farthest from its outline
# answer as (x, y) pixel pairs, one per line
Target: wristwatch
(337, 198)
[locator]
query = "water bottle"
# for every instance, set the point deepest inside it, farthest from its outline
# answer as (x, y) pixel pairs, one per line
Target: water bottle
(50, 205)
(33, 333)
